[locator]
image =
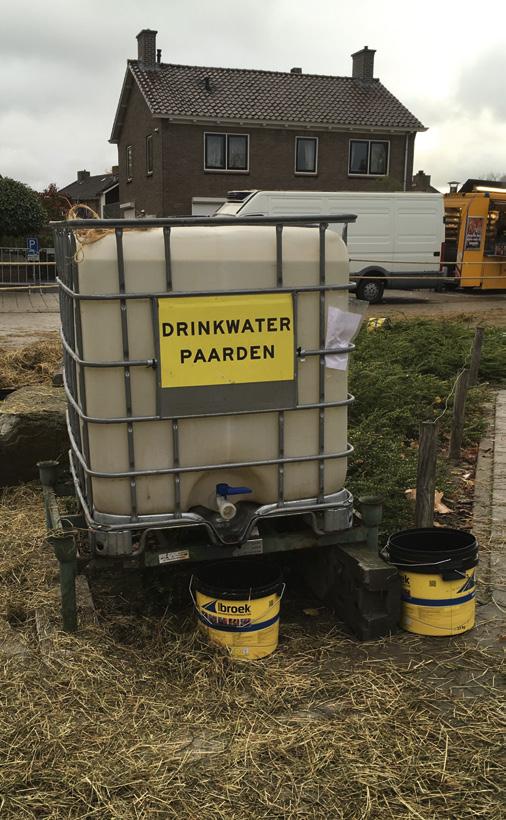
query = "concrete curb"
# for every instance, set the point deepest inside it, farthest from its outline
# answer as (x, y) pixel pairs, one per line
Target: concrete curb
(482, 504)
(498, 507)
(488, 525)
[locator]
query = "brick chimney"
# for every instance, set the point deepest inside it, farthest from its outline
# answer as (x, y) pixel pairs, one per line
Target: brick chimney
(421, 181)
(146, 48)
(82, 175)
(115, 170)
(363, 64)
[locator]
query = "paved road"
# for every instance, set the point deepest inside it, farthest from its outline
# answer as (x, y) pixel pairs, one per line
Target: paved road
(488, 307)
(25, 316)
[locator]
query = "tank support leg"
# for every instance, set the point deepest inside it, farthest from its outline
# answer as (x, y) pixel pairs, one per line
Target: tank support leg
(63, 544)
(371, 509)
(66, 552)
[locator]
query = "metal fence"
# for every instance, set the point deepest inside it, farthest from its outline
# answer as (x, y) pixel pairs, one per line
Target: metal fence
(19, 268)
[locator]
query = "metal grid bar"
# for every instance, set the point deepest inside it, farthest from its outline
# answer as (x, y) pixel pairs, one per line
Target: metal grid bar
(281, 415)
(265, 462)
(281, 456)
(92, 297)
(279, 256)
(127, 379)
(321, 374)
(168, 258)
(126, 419)
(205, 221)
(175, 422)
(153, 362)
(301, 353)
(193, 520)
(84, 437)
(118, 363)
(175, 459)
(325, 351)
(68, 329)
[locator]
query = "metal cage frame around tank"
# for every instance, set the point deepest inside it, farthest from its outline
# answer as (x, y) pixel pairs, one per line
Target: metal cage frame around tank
(75, 364)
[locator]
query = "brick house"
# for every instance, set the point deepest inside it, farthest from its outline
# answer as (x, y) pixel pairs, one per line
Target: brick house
(188, 134)
(99, 192)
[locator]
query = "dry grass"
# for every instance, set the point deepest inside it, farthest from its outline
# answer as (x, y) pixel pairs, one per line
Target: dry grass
(138, 718)
(32, 364)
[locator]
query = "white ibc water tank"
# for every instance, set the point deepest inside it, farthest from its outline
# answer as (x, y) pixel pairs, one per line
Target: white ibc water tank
(219, 259)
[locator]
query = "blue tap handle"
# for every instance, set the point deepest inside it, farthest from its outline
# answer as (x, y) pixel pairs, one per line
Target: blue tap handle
(225, 490)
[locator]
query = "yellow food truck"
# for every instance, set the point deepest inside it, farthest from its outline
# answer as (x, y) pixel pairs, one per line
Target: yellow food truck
(474, 250)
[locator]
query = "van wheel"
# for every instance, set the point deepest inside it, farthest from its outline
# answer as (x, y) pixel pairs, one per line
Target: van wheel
(370, 291)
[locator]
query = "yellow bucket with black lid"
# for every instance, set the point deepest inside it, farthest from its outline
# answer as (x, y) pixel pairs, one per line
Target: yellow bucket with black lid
(238, 605)
(438, 572)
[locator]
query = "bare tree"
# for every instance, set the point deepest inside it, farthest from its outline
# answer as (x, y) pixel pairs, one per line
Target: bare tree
(494, 176)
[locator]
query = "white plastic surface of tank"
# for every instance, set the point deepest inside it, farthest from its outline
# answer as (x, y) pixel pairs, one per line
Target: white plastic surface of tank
(221, 258)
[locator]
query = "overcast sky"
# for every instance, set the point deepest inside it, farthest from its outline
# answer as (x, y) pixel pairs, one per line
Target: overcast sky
(62, 66)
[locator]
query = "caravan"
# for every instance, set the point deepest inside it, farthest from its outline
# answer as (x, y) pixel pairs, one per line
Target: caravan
(395, 242)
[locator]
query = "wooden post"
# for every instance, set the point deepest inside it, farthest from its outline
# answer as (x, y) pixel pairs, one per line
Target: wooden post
(426, 475)
(459, 405)
(476, 355)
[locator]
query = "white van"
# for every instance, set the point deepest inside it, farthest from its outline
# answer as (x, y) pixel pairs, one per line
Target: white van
(396, 239)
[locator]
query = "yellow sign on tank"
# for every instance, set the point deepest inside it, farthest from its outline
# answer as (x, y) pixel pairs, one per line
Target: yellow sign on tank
(211, 340)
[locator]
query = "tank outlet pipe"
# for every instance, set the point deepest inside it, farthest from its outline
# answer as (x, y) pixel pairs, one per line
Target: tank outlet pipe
(226, 509)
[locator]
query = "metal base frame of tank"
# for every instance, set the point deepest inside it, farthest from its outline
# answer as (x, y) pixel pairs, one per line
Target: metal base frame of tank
(343, 568)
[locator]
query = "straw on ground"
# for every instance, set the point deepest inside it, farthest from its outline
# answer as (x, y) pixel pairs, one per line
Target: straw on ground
(137, 717)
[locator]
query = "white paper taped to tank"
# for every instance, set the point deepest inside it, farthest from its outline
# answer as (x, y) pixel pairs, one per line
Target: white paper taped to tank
(202, 259)
(342, 327)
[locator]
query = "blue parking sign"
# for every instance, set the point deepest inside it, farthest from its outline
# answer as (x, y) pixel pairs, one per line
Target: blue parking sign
(32, 247)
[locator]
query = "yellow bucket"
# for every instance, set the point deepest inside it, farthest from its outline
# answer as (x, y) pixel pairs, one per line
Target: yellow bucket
(437, 569)
(433, 606)
(238, 606)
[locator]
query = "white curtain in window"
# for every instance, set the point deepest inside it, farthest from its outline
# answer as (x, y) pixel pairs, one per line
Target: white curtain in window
(215, 151)
(306, 155)
(358, 164)
(379, 153)
(237, 152)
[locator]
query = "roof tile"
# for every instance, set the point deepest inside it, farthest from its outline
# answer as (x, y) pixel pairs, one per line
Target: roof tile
(90, 187)
(270, 96)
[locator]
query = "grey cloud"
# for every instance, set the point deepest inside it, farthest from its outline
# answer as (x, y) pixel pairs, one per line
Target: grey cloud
(482, 84)
(63, 64)
(433, 112)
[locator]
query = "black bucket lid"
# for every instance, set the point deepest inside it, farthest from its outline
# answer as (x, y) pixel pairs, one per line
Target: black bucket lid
(238, 580)
(432, 549)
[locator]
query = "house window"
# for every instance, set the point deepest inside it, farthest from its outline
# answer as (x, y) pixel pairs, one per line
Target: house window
(129, 162)
(149, 154)
(306, 155)
(369, 157)
(226, 152)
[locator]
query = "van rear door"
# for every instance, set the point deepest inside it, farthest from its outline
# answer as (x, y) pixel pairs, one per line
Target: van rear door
(370, 238)
(418, 236)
